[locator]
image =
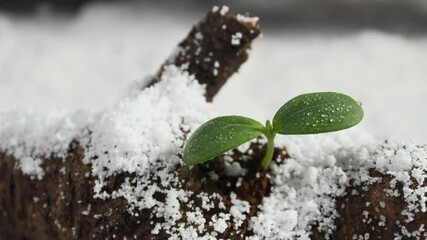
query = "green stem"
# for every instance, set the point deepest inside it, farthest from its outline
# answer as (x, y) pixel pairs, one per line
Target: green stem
(269, 155)
(270, 145)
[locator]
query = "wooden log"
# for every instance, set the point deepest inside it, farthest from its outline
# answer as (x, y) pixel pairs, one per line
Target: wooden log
(57, 206)
(214, 50)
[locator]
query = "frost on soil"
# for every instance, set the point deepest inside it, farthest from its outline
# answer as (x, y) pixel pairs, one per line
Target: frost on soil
(143, 136)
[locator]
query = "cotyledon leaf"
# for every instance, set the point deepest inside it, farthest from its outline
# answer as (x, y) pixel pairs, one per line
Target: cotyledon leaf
(317, 113)
(218, 136)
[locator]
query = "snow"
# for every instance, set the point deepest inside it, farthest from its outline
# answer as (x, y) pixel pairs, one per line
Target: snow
(252, 20)
(239, 210)
(29, 135)
(142, 129)
(235, 39)
(215, 9)
(233, 168)
(401, 160)
(224, 10)
(31, 167)
(304, 189)
(140, 132)
(305, 203)
(220, 225)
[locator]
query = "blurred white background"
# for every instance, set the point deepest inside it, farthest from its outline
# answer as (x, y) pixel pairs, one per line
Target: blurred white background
(90, 59)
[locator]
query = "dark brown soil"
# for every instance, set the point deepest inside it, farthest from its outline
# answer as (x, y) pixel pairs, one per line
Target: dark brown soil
(252, 187)
(361, 213)
(368, 211)
(46, 218)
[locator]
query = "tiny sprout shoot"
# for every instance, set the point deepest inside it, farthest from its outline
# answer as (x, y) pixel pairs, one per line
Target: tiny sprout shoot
(305, 114)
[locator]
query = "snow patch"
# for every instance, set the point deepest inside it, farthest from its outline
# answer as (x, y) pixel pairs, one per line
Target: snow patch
(235, 38)
(245, 19)
(305, 188)
(29, 136)
(224, 10)
(149, 127)
(30, 166)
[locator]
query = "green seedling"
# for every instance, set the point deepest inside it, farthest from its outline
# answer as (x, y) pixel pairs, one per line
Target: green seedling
(305, 114)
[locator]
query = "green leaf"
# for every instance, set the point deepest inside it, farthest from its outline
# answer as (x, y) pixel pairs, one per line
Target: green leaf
(218, 136)
(317, 113)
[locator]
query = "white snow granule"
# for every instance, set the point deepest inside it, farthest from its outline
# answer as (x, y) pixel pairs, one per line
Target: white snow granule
(215, 9)
(239, 210)
(87, 210)
(232, 168)
(220, 225)
(30, 166)
(216, 64)
(224, 10)
(235, 38)
(198, 36)
(401, 160)
(252, 20)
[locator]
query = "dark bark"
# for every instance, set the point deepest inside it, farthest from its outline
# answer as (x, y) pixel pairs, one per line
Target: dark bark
(210, 42)
(55, 207)
(372, 199)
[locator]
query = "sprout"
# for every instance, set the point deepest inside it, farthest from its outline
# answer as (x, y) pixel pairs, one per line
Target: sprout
(305, 114)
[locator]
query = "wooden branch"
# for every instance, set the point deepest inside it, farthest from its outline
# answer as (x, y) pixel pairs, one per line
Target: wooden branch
(208, 51)
(57, 206)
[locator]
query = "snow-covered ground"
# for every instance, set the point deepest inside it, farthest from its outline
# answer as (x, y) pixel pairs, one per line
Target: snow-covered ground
(91, 60)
